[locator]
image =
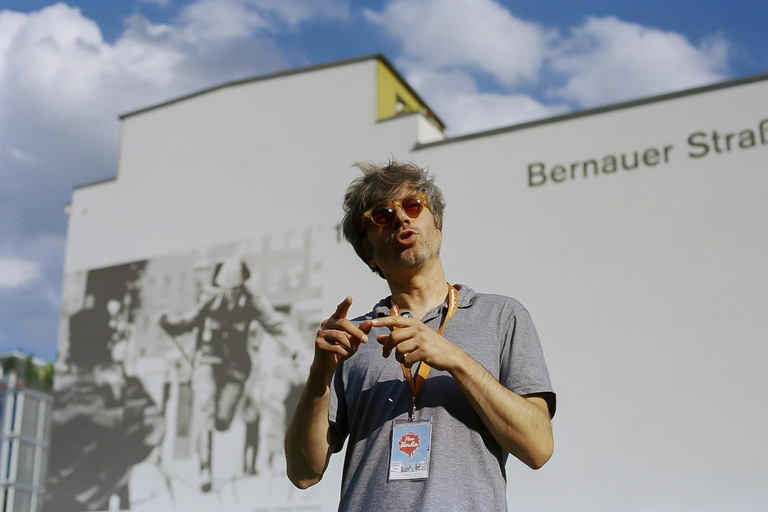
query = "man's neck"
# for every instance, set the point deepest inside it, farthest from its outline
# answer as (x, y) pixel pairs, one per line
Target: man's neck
(419, 292)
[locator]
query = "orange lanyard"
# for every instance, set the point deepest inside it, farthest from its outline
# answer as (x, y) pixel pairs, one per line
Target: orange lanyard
(421, 376)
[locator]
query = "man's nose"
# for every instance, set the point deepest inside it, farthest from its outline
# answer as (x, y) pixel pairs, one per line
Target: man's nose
(400, 216)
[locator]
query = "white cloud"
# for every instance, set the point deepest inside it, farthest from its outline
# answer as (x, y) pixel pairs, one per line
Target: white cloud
(451, 47)
(609, 60)
(22, 157)
(217, 19)
(483, 111)
(147, 56)
(448, 44)
(45, 48)
(295, 12)
(16, 272)
(160, 3)
(480, 35)
(10, 24)
(220, 19)
(465, 109)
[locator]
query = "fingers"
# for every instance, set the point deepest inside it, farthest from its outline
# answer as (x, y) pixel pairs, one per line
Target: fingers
(401, 340)
(342, 309)
(396, 322)
(338, 336)
(400, 331)
(407, 356)
(338, 322)
(336, 342)
(411, 341)
(342, 333)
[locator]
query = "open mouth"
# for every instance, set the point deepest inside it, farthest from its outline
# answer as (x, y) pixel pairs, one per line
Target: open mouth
(406, 237)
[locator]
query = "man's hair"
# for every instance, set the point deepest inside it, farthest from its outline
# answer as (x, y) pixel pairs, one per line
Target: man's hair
(377, 185)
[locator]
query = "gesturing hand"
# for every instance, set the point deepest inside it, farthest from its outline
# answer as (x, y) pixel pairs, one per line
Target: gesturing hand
(412, 341)
(338, 338)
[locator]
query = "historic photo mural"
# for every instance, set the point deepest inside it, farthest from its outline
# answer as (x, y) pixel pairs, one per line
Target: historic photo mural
(175, 376)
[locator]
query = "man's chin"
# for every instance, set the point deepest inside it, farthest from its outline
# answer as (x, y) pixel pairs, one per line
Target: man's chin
(411, 258)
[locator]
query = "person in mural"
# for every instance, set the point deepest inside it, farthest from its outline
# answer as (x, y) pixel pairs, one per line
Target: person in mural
(265, 412)
(222, 363)
(104, 420)
(488, 393)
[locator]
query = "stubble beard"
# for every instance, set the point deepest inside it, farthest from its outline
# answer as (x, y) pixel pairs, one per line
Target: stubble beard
(428, 247)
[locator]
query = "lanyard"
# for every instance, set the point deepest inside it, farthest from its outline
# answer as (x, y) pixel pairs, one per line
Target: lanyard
(421, 375)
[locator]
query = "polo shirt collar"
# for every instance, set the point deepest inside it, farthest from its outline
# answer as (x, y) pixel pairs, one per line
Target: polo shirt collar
(466, 297)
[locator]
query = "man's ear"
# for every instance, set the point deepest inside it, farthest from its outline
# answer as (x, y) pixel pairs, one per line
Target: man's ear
(366, 255)
(369, 261)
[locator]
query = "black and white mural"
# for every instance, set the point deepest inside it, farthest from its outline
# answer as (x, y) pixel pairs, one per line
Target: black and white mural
(175, 377)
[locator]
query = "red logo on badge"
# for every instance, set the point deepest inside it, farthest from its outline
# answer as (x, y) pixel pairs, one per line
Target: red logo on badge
(409, 443)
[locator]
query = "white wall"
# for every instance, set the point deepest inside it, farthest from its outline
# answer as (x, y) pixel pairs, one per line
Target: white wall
(649, 289)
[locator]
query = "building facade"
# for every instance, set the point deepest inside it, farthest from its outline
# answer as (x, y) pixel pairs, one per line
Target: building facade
(634, 234)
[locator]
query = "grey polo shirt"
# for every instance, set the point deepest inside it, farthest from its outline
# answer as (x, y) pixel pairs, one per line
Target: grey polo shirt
(467, 465)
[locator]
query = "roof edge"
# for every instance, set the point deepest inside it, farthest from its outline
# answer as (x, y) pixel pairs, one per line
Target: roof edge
(92, 184)
(600, 110)
(289, 72)
(257, 78)
(430, 112)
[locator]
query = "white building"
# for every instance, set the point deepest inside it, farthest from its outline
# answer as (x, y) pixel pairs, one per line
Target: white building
(25, 415)
(635, 235)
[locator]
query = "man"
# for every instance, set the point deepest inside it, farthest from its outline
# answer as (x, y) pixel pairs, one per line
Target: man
(222, 363)
(416, 443)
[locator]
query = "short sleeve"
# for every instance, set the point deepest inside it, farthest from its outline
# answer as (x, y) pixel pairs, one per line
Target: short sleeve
(523, 368)
(337, 411)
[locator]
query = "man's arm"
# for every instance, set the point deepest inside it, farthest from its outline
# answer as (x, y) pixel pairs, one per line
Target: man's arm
(520, 424)
(310, 439)
(180, 323)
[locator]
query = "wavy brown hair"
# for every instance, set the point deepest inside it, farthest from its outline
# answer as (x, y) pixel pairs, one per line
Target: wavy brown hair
(378, 185)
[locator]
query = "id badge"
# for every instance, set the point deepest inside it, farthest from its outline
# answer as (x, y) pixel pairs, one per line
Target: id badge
(411, 444)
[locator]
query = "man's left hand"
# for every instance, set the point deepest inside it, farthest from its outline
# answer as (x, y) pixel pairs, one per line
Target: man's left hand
(412, 341)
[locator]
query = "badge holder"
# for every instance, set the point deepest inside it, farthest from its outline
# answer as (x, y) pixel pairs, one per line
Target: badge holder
(411, 446)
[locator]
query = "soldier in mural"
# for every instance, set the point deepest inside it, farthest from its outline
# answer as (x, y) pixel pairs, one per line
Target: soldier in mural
(104, 420)
(223, 319)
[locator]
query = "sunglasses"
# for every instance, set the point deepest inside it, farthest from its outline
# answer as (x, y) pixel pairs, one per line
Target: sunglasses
(412, 206)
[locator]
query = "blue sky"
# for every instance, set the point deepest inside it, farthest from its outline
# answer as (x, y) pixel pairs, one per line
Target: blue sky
(68, 70)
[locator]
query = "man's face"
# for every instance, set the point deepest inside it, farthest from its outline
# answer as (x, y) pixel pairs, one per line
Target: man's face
(404, 242)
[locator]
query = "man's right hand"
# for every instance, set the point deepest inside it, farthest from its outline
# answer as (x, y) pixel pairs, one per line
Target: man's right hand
(310, 439)
(338, 338)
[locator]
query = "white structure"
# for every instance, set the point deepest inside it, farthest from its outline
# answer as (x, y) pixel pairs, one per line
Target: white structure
(635, 235)
(24, 440)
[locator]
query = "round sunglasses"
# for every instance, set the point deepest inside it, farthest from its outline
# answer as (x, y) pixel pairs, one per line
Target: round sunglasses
(412, 206)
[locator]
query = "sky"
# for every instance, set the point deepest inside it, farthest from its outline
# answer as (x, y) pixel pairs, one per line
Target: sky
(68, 70)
